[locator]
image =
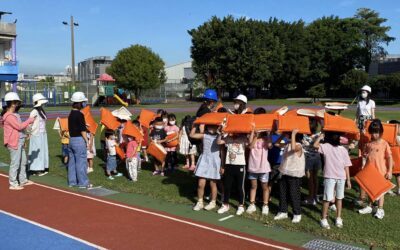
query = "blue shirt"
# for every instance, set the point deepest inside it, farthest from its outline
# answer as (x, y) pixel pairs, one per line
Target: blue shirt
(275, 153)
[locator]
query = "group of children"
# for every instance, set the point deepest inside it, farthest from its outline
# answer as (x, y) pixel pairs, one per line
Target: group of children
(231, 158)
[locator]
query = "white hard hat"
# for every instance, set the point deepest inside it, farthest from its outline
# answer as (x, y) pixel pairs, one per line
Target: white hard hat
(11, 96)
(242, 98)
(367, 88)
(40, 99)
(78, 97)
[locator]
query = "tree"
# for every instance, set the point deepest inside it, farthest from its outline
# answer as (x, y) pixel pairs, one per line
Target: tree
(352, 81)
(373, 35)
(136, 68)
(317, 91)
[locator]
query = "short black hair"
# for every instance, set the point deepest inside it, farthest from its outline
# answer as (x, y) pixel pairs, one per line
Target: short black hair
(260, 110)
(375, 127)
(108, 133)
(77, 105)
(171, 116)
(332, 138)
(136, 123)
(158, 119)
(222, 110)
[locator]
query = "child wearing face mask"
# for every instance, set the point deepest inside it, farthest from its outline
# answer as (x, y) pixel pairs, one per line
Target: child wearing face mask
(132, 160)
(172, 158)
(158, 136)
(111, 166)
(208, 166)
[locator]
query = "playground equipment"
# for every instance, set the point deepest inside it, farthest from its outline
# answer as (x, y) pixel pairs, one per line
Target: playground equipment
(107, 92)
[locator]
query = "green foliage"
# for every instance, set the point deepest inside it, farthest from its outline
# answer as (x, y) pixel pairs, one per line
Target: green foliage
(373, 35)
(136, 68)
(352, 81)
(316, 91)
(387, 84)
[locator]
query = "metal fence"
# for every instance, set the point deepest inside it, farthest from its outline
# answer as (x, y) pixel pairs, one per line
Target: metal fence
(59, 93)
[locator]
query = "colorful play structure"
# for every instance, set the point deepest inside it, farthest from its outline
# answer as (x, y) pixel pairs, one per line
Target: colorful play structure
(108, 93)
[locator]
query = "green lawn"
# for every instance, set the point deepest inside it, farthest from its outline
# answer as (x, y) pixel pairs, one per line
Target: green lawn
(180, 187)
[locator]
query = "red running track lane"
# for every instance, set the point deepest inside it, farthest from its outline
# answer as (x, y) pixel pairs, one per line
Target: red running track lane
(116, 226)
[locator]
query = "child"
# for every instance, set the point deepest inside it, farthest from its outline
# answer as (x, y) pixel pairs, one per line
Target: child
(14, 140)
(398, 143)
(91, 152)
(378, 151)
(336, 172)
(259, 169)
(292, 170)
(186, 148)
(172, 157)
(234, 169)
(313, 163)
(158, 135)
(132, 160)
(111, 167)
(208, 166)
(140, 144)
(64, 136)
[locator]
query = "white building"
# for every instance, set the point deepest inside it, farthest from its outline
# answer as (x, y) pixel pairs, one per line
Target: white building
(179, 72)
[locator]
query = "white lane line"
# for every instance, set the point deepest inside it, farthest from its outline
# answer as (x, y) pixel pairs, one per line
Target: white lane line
(164, 216)
(53, 230)
(226, 218)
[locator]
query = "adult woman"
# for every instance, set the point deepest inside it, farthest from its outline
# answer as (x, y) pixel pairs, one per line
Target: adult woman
(239, 105)
(14, 140)
(365, 107)
(78, 143)
(210, 98)
(38, 153)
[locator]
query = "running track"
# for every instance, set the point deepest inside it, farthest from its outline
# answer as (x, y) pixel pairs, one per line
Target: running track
(105, 224)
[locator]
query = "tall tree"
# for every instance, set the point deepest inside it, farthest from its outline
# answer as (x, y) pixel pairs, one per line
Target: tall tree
(374, 34)
(136, 68)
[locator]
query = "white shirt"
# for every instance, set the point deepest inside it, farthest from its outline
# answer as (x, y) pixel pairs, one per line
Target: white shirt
(365, 109)
(111, 146)
(235, 150)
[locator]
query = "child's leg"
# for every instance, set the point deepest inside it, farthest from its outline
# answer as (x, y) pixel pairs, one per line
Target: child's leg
(310, 184)
(381, 201)
(187, 160)
(200, 188)
(240, 175)
(283, 193)
(314, 177)
(192, 156)
(338, 208)
(295, 194)
(168, 159)
(398, 181)
(214, 192)
(265, 189)
(253, 191)
(325, 206)
(228, 179)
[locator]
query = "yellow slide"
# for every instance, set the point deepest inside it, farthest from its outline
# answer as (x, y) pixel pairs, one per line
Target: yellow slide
(120, 100)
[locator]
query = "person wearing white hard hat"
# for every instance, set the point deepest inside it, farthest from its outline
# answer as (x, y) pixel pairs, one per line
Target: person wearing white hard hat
(239, 105)
(38, 154)
(78, 143)
(14, 140)
(365, 107)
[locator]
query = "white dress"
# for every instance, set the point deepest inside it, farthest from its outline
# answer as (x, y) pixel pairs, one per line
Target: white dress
(38, 154)
(185, 147)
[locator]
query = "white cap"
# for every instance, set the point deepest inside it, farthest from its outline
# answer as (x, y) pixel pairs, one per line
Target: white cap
(367, 88)
(40, 99)
(11, 96)
(242, 98)
(78, 97)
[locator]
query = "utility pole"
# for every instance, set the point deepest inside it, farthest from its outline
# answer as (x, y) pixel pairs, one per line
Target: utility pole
(72, 24)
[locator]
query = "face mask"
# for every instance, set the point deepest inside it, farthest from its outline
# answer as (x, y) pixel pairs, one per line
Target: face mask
(84, 104)
(236, 106)
(172, 123)
(112, 137)
(364, 94)
(159, 127)
(165, 120)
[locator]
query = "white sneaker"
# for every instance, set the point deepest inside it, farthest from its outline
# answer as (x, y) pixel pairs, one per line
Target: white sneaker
(240, 210)
(391, 193)
(89, 170)
(16, 187)
(398, 191)
(281, 216)
(199, 206)
(223, 209)
(296, 219)
(251, 209)
(380, 213)
(210, 206)
(333, 208)
(339, 222)
(324, 224)
(365, 210)
(265, 210)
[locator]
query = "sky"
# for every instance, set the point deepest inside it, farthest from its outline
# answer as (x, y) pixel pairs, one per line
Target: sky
(43, 42)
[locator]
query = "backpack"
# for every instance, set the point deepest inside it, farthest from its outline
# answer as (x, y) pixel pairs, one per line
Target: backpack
(187, 125)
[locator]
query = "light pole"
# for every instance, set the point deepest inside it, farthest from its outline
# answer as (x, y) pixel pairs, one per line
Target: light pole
(72, 24)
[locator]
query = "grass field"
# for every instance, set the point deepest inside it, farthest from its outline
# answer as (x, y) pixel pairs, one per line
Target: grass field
(180, 187)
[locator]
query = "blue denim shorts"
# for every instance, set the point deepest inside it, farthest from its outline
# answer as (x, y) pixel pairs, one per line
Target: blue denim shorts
(111, 162)
(263, 177)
